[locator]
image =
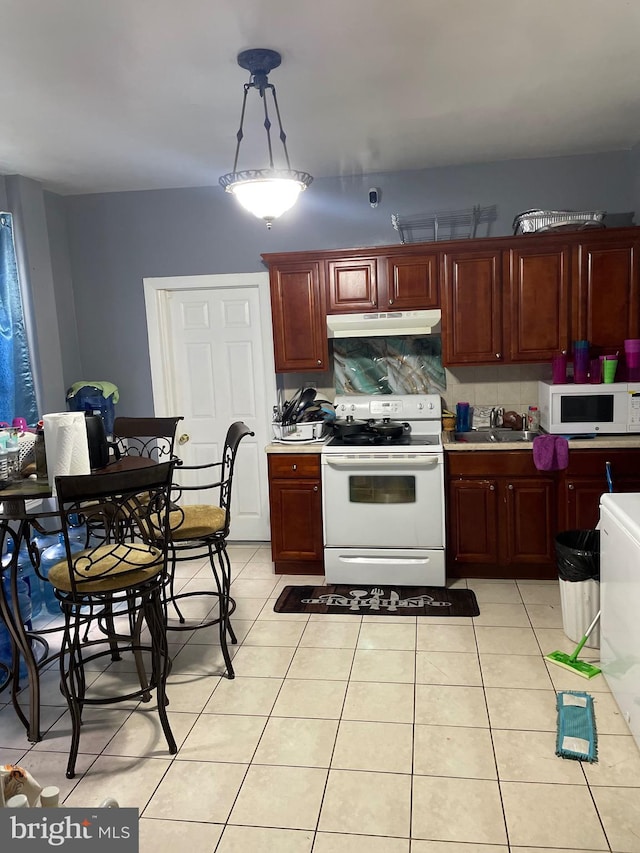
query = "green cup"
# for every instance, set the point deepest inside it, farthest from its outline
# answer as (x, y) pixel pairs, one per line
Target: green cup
(609, 366)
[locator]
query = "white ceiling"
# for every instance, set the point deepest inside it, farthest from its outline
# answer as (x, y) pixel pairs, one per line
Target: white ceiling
(106, 95)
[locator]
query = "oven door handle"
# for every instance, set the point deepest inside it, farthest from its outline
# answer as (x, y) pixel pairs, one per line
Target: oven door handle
(414, 461)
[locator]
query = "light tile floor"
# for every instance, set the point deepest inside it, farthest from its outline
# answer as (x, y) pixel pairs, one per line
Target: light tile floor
(351, 734)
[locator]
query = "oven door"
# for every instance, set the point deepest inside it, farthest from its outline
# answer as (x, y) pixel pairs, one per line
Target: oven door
(380, 500)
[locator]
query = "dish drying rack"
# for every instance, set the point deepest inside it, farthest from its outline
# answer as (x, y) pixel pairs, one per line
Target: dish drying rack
(444, 224)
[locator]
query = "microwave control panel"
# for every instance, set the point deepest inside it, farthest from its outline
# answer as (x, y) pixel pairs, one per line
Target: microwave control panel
(634, 408)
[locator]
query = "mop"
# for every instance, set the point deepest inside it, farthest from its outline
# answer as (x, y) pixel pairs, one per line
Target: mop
(576, 727)
(571, 662)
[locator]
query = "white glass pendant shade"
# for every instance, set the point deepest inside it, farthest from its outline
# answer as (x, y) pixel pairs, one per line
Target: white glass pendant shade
(269, 192)
(267, 197)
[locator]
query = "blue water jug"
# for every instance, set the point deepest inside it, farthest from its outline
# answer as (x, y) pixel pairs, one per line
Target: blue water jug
(24, 608)
(77, 530)
(27, 573)
(5, 646)
(50, 556)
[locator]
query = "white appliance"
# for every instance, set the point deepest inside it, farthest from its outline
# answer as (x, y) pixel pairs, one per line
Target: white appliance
(585, 409)
(423, 322)
(383, 499)
(620, 602)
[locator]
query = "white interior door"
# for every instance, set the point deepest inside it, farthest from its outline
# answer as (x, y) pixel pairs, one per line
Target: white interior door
(212, 362)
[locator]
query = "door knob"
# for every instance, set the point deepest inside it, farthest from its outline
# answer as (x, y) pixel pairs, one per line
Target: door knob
(184, 438)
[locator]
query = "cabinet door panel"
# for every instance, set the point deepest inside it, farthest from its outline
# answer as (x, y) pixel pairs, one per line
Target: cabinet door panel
(296, 520)
(538, 321)
(473, 522)
(353, 285)
(413, 283)
(580, 502)
(608, 294)
(472, 308)
(299, 324)
(530, 521)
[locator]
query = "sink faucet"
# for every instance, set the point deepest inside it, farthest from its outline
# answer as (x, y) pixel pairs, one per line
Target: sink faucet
(496, 417)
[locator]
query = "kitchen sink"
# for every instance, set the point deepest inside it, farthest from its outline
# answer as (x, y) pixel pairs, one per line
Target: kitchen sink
(495, 436)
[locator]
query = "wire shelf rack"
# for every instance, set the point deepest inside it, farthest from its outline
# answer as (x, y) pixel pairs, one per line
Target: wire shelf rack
(445, 224)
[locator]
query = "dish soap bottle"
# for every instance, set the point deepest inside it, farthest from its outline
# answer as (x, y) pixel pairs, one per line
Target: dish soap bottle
(533, 419)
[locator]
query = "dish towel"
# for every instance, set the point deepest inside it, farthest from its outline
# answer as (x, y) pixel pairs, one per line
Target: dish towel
(550, 452)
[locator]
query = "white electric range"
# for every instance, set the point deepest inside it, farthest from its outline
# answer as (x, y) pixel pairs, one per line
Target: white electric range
(383, 496)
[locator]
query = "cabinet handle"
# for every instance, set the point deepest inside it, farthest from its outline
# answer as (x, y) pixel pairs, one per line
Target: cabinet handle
(511, 485)
(315, 488)
(391, 302)
(319, 362)
(571, 486)
(492, 488)
(294, 467)
(498, 355)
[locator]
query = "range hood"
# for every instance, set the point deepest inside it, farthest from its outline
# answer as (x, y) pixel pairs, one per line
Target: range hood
(383, 323)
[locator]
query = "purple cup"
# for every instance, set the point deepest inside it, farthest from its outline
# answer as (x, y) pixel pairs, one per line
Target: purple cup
(595, 371)
(19, 423)
(580, 366)
(559, 368)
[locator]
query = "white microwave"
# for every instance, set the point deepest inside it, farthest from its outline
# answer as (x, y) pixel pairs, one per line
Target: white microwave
(586, 409)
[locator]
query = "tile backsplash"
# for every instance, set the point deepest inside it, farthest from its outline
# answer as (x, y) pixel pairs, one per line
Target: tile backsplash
(514, 387)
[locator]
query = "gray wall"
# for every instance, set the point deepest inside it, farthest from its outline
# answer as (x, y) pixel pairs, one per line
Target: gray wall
(635, 176)
(117, 239)
(104, 245)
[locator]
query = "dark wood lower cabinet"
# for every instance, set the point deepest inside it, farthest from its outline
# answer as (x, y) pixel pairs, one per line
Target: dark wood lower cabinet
(501, 518)
(584, 482)
(503, 515)
(295, 498)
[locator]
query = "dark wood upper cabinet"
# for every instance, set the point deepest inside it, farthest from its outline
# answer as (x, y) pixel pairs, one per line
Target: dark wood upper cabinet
(505, 300)
(472, 307)
(537, 307)
(412, 283)
(352, 286)
(607, 297)
(298, 316)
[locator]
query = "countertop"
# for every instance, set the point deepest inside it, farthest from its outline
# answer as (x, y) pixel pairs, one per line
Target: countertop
(600, 442)
(295, 446)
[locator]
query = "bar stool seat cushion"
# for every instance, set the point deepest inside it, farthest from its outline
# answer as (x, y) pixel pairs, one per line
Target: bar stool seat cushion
(109, 568)
(196, 522)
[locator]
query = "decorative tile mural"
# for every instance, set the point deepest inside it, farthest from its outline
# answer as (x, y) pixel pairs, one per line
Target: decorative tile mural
(402, 365)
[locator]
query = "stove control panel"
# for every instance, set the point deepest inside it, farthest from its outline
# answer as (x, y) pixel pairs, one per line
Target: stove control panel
(397, 407)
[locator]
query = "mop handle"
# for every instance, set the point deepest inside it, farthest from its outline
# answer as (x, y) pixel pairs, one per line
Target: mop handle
(574, 656)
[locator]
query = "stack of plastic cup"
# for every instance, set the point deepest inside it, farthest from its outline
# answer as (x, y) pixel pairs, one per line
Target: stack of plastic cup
(609, 367)
(580, 362)
(632, 355)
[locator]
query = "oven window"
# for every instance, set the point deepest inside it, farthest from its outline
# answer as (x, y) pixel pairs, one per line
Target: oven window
(590, 408)
(381, 489)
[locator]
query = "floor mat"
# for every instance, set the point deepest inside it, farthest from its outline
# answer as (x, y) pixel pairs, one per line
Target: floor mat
(378, 600)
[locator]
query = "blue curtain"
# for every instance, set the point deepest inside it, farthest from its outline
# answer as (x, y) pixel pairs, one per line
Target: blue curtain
(17, 389)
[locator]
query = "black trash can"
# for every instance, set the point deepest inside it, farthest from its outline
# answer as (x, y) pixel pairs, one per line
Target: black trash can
(578, 555)
(578, 560)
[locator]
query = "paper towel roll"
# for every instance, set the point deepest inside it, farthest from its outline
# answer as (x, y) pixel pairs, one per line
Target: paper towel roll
(66, 445)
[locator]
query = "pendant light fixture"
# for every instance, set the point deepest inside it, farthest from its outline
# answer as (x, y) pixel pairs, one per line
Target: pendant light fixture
(267, 193)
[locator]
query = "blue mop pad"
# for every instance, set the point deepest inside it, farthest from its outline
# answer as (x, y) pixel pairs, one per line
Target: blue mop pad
(576, 726)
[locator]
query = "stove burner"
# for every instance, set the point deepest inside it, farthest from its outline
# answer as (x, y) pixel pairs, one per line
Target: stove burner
(366, 437)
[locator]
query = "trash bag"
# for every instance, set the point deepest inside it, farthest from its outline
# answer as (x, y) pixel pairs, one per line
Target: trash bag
(578, 555)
